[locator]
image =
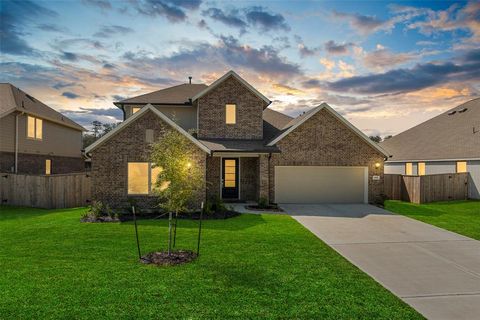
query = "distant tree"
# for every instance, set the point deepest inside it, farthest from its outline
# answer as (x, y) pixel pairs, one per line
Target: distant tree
(387, 137)
(179, 178)
(88, 139)
(99, 129)
(107, 127)
(96, 127)
(376, 139)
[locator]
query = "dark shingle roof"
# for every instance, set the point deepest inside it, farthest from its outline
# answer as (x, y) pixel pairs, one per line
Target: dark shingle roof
(12, 98)
(174, 95)
(273, 124)
(219, 145)
(454, 134)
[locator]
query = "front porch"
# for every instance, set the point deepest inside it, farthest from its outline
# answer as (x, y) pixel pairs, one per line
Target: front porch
(237, 177)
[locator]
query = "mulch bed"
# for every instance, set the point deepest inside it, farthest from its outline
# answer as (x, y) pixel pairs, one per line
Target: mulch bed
(268, 208)
(91, 219)
(158, 215)
(188, 216)
(164, 259)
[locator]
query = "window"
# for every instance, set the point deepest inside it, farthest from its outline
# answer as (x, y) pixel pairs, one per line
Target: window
(230, 113)
(135, 109)
(421, 168)
(48, 166)
(230, 173)
(142, 177)
(408, 168)
(461, 166)
(34, 128)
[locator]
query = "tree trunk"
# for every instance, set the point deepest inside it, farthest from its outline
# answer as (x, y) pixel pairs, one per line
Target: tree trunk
(175, 230)
(169, 233)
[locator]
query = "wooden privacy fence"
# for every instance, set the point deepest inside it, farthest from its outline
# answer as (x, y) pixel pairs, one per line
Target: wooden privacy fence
(428, 188)
(50, 192)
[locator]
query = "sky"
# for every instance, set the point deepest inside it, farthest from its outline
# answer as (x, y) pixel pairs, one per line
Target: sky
(386, 66)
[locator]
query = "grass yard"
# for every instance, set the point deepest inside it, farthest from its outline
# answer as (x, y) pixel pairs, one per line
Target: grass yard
(252, 266)
(462, 217)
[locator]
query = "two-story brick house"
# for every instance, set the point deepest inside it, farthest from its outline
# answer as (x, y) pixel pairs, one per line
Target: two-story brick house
(246, 150)
(36, 139)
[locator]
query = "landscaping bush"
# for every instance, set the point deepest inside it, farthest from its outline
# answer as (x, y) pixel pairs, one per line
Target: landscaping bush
(99, 212)
(263, 203)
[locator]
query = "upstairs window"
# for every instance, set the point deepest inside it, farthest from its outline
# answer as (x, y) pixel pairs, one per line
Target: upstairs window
(461, 166)
(230, 113)
(421, 168)
(135, 109)
(34, 128)
(408, 168)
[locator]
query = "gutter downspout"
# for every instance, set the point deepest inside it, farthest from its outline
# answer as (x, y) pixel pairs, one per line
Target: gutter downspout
(16, 143)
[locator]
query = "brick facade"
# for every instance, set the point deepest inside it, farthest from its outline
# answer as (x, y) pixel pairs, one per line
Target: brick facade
(110, 162)
(211, 112)
(213, 176)
(35, 163)
(323, 140)
(249, 179)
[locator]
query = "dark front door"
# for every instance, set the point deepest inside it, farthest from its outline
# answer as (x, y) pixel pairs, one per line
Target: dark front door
(230, 178)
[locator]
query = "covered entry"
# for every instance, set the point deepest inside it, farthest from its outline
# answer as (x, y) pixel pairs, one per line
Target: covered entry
(321, 184)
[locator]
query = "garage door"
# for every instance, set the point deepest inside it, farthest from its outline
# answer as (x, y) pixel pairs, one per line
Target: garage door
(319, 184)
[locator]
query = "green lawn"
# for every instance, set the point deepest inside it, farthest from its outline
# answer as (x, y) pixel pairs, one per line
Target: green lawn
(462, 217)
(251, 266)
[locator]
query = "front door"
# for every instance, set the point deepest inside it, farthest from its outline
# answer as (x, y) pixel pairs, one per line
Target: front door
(230, 178)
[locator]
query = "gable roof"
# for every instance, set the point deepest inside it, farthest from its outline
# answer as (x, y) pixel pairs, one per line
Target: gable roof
(298, 121)
(181, 94)
(13, 99)
(231, 73)
(137, 115)
(454, 134)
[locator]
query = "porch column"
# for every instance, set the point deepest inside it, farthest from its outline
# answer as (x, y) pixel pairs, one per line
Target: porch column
(263, 176)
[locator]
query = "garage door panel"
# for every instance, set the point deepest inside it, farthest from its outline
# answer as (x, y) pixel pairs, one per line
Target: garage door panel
(319, 184)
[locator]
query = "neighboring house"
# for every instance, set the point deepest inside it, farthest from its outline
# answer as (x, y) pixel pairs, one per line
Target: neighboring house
(246, 150)
(448, 143)
(34, 138)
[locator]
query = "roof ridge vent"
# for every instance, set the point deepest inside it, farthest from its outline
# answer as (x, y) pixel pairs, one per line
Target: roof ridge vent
(463, 110)
(451, 113)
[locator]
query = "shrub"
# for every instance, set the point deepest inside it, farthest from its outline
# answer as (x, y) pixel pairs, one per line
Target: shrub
(263, 203)
(215, 205)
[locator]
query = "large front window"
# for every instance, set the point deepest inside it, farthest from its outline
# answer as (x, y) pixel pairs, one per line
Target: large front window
(231, 113)
(142, 178)
(34, 128)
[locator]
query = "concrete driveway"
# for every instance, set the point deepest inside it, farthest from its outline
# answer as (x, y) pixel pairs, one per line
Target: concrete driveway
(435, 271)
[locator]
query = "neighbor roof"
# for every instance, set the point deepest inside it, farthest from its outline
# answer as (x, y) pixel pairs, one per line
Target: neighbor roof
(454, 134)
(181, 94)
(13, 99)
(295, 123)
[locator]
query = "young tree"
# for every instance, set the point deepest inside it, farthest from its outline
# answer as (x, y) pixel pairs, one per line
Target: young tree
(179, 178)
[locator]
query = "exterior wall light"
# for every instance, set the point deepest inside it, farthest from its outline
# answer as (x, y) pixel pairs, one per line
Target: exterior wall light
(189, 165)
(377, 165)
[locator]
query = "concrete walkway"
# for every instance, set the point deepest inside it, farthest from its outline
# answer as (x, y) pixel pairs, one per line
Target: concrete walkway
(435, 271)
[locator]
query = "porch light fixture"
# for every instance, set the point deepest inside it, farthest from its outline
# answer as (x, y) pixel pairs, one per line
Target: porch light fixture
(377, 165)
(189, 165)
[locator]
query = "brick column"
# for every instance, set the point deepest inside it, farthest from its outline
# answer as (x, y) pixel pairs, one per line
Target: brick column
(263, 187)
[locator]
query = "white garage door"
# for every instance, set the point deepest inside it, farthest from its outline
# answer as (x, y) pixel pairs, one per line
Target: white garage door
(319, 184)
